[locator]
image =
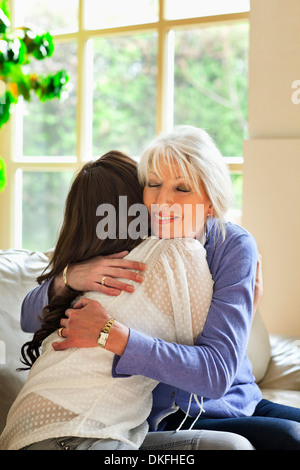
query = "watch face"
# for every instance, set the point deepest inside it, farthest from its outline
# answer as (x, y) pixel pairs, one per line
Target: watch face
(102, 339)
(105, 332)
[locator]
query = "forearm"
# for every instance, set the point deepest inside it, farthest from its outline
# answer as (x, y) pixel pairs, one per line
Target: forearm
(206, 369)
(57, 287)
(210, 367)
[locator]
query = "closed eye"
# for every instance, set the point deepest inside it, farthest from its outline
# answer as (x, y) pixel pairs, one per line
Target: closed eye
(153, 185)
(184, 190)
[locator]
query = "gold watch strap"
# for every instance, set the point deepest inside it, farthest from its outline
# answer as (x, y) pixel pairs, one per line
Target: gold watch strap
(103, 337)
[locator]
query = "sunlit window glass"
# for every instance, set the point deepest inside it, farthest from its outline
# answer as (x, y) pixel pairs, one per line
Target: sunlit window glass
(43, 199)
(49, 128)
(57, 16)
(124, 103)
(237, 181)
(211, 83)
(176, 9)
(108, 14)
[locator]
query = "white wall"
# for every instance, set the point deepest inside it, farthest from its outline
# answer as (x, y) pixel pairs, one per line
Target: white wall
(271, 209)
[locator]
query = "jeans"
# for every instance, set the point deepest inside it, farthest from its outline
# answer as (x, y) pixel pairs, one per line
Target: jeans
(195, 440)
(166, 440)
(78, 443)
(271, 427)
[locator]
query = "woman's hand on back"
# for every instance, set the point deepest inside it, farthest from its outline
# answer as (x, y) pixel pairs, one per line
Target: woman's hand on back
(83, 324)
(87, 275)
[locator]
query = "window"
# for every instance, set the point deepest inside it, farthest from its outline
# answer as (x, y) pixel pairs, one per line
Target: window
(210, 80)
(54, 121)
(136, 67)
(124, 98)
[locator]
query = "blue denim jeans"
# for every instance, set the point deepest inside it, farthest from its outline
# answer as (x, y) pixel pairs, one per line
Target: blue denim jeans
(78, 443)
(182, 440)
(195, 440)
(271, 427)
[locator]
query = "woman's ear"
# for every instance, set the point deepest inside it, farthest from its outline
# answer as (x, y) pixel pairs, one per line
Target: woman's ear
(210, 210)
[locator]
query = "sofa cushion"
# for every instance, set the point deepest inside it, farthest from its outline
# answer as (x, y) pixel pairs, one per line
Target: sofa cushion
(259, 348)
(18, 272)
(283, 397)
(284, 368)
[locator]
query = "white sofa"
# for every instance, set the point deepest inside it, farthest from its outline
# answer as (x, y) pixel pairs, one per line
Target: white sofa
(275, 359)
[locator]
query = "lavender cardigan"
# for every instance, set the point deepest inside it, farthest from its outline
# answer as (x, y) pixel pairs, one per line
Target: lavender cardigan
(217, 367)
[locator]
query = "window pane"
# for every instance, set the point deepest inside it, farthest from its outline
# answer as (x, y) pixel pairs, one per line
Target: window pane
(237, 181)
(211, 83)
(49, 128)
(108, 14)
(125, 93)
(176, 9)
(43, 200)
(56, 16)
(234, 213)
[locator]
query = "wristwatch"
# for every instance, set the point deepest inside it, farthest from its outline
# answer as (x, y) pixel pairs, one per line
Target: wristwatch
(104, 333)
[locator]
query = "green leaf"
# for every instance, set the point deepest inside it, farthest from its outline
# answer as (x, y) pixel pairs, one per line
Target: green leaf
(12, 51)
(44, 46)
(4, 6)
(16, 50)
(51, 86)
(5, 107)
(4, 21)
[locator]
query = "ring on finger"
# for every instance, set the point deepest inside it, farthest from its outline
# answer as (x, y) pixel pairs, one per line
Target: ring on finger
(103, 281)
(60, 332)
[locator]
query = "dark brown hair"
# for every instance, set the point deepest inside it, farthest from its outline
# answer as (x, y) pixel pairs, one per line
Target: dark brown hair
(98, 182)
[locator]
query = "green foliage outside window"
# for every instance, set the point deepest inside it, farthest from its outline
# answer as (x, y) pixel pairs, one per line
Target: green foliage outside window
(17, 49)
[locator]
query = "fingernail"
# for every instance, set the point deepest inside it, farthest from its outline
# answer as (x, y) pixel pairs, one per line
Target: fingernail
(130, 289)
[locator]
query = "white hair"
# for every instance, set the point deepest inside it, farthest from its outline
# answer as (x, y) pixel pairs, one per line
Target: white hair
(198, 158)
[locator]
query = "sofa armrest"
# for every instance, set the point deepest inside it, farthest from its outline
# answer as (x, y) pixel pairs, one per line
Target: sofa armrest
(19, 270)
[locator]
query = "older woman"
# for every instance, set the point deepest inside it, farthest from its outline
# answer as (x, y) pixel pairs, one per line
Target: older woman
(186, 181)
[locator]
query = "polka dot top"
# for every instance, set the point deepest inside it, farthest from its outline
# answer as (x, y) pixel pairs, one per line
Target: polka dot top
(73, 393)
